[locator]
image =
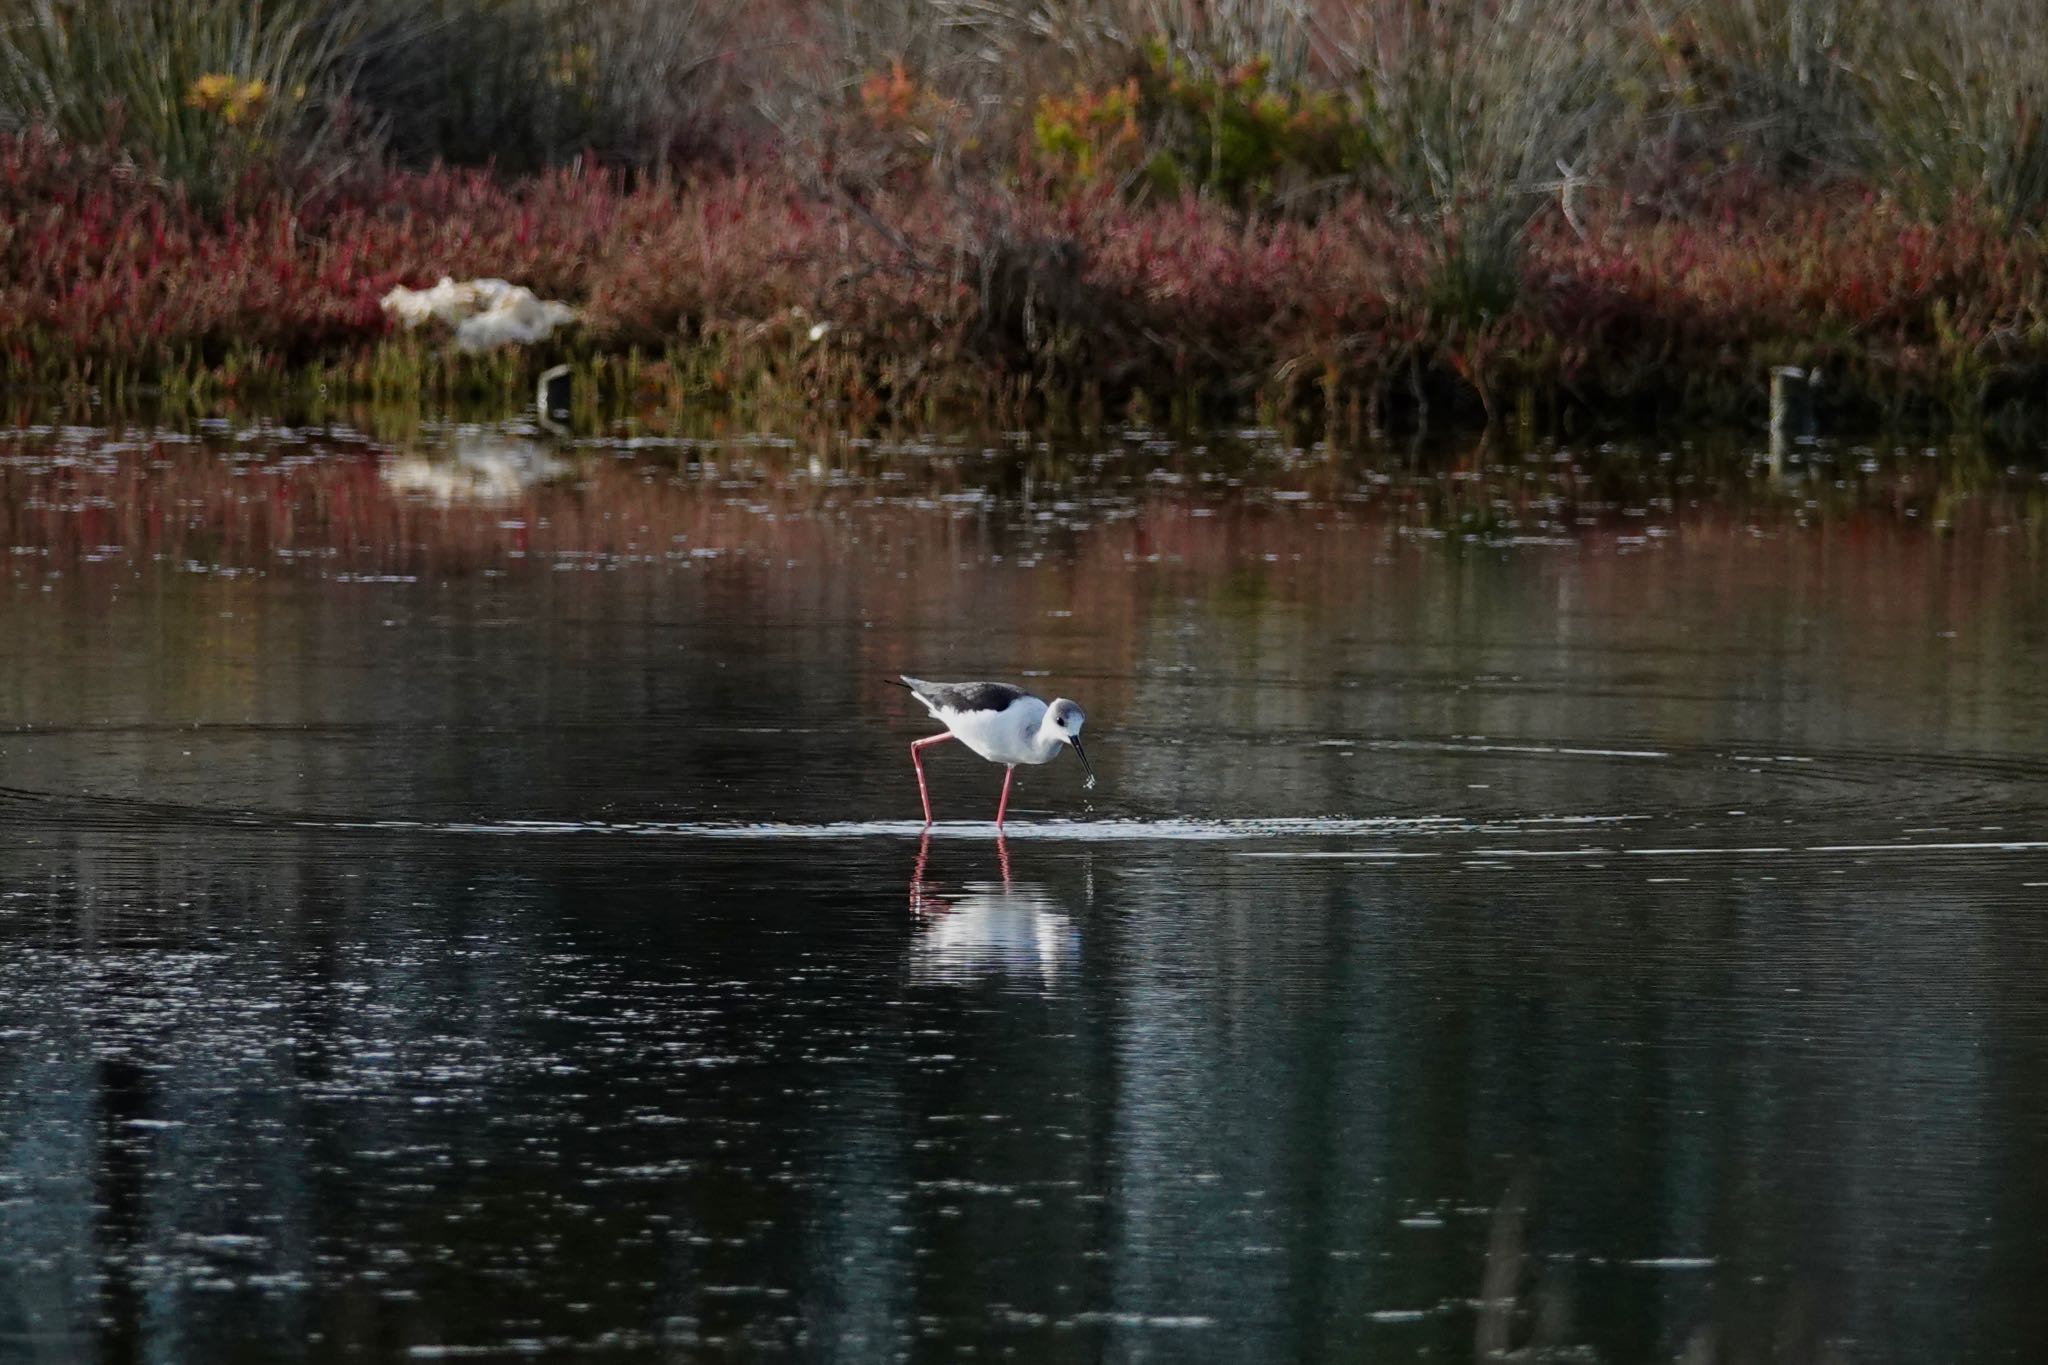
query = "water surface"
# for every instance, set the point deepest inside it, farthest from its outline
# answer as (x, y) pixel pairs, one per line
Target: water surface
(461, 896)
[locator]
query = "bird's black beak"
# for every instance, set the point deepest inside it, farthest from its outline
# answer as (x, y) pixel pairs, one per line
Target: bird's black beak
(1085, 764)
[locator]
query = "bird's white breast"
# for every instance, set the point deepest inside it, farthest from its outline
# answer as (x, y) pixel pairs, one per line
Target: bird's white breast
(1005, 736)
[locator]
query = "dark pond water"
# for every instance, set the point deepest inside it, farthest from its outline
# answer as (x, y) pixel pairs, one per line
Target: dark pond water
(462, 898)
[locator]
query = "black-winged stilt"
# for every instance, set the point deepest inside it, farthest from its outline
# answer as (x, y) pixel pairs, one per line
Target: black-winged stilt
(1003, 724)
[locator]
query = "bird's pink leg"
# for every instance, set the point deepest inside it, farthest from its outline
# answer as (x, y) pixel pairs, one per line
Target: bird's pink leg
(1004, 804)
(1003, 856)
(918, 763)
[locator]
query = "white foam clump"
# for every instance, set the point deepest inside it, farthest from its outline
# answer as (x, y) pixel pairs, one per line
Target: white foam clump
(485, 314)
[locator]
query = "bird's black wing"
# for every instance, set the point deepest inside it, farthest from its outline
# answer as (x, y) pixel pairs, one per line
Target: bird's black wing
(963, 696)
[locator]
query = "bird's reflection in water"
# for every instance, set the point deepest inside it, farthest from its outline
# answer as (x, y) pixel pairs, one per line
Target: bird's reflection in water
(980, 930)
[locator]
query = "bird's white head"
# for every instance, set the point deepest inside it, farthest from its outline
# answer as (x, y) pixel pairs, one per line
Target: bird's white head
(1062, 725)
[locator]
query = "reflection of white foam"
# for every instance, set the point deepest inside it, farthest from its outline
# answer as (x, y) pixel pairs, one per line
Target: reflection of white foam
(481, 465)
(991, 930)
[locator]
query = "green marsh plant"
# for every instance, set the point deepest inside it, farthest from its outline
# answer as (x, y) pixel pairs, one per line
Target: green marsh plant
(203, 93)
(521, 85)
(1957, 94)
(1479, 113)
(1761, 85)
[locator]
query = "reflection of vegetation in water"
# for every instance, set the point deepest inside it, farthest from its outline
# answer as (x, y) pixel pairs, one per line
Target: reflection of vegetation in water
(449, 497)
(1524, 1308)
(1244, 591)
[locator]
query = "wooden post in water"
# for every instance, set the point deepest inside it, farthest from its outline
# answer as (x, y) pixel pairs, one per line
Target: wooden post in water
(1791, 409)
(551, 398)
